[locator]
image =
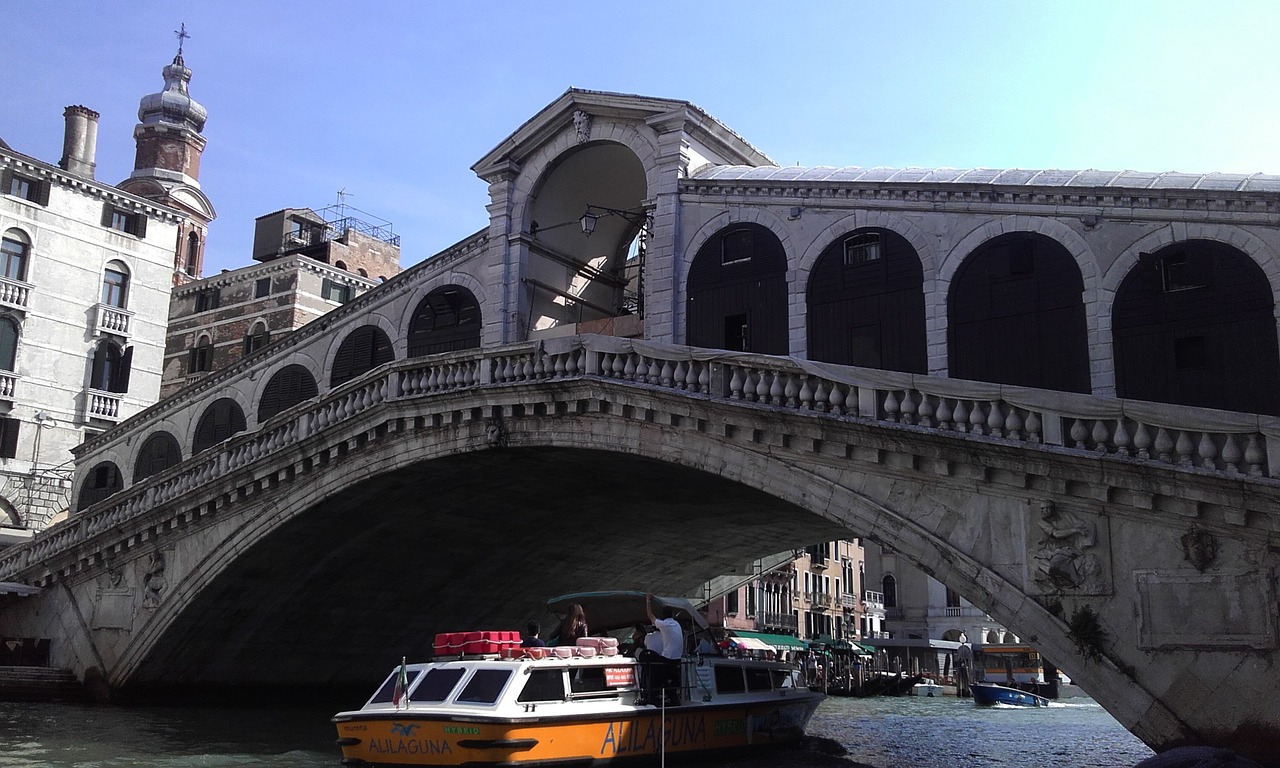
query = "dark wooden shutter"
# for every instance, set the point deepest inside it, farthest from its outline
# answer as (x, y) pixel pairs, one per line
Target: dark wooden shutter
(42, 192)
(222, 419)
(122, 371)
(363, 350)
(139, 224)
(97, 373)
(158, 453)
(9, 437)
(107, 211)
(6, 178)
(288, 387)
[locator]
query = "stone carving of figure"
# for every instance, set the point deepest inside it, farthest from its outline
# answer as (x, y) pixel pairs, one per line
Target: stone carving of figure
(153, 584)
(582, 124)
(1062, 562)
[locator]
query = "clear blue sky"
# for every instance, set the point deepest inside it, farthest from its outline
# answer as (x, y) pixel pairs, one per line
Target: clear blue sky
(394, 101)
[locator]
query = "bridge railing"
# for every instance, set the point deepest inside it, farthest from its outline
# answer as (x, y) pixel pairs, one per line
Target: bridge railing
(1189, 438)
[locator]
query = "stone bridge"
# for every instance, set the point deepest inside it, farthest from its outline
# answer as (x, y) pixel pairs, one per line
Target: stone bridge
(1135, 544)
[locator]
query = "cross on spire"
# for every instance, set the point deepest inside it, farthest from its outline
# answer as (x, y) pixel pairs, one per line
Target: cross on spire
(182, 36)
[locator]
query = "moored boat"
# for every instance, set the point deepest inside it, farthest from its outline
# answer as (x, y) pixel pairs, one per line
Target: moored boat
(489, 702)
(986, 694)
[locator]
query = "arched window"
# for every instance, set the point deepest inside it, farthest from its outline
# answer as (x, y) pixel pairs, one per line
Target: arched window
(446, 320)
(193, 254)
(15, 248)
(340, 264)
(222, 419)
(866, 303)
(111, 364)
(8, 343)
(200, 357)
(102, 481)
(361, 351)
(889, 586)
(738, 292)
(258, 338)
(157, 454)
(289, 386)
(1194, 324)
(1016, 315)
(115, 285)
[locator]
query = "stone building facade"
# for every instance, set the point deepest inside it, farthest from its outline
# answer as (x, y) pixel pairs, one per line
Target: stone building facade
(84, 293)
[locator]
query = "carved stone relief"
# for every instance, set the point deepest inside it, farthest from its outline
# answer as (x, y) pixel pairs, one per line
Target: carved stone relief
(154, 583)
(1199, 547)
(582, 124)
(1067, 552)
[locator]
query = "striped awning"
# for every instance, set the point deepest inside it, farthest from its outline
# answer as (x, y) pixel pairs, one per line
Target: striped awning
(776, 642)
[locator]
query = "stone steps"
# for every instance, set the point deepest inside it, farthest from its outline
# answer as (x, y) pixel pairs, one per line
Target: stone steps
(39, 684)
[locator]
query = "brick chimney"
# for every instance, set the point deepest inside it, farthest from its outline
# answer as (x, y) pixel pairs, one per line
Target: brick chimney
(80, 141)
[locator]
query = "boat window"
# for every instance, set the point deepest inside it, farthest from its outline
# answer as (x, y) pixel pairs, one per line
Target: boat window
(438, 684)
(758, 679)
(587, 680)
(729, 679)
(781, 678)
(388, 689)
(485, 686)
(543, 685)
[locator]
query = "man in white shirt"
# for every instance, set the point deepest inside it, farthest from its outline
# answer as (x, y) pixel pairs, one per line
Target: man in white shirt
(666, 669)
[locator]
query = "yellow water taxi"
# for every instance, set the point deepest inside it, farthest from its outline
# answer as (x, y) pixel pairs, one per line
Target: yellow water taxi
(486, 701)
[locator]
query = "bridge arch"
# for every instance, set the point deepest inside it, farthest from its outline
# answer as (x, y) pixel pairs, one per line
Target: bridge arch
(955, 258)
(737, 291)
(289, 385)
(360, 350)
(219, 420)
(865, 302)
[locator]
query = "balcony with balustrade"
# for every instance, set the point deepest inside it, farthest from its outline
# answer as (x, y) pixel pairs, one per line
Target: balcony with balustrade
(784, 622)
(104, 406)
(14, 294)
(112, 320)
(8, 385)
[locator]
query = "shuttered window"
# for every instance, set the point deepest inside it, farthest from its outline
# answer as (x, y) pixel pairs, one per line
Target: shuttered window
(102, 481)
(363, 350)
(158, 453)
(111, 366)
(220, 420)
(288, 387)
(8, 343)
(447, 319)
(124, 221)
(9, 437)
(28, 188)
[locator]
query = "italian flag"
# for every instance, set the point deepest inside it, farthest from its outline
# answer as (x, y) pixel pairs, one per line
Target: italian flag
(402, 685)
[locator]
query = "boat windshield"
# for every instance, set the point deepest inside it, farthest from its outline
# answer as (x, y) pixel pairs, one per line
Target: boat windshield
(485, 686)
(438, 684)
(388, 689)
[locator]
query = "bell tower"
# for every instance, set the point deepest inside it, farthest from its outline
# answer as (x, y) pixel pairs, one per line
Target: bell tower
(166, 167)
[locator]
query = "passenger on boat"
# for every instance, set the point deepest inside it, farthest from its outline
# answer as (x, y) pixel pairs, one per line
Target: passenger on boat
(664, 648)
(574, 626)
(531, 637)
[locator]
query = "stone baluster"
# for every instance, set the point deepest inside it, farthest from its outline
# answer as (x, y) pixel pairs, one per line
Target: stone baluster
(736, 384)
(1208, 451)
(1255, 455)
(1078, 433)
(842, 402)
(944, 413)
(776, 389)
(791, 392)
(1142, 441)
(667, 377)
(813, 394)
(629, 370)
(681, 375)
(762, 386)
(1100, 435)
(573, 364)
(891, 405)
(908, 407)
(642, 369)
(1184, 447)
(995, 419)
(1034, 426)
(704, 378)
(926, 409)
(961, 416)
(1013, 423)
(977, 419)
(1232, 453)
(1163, 445)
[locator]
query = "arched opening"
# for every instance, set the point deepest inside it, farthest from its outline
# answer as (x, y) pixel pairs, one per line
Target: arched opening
(572, 276)
(222, 419)
(866, 303)
(8, 343)
(200, 357)
(102, 481)
(157, 454)
(258, 338)
(289, 386)
(115, 285)
(361, 351)
(1193, 324)
(889, 586)
(447, 319)
(193, 254)
(1016, 315)
(738, 292)
(15, 251)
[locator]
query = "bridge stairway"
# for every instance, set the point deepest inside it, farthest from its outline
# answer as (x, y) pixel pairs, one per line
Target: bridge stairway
(39, 684)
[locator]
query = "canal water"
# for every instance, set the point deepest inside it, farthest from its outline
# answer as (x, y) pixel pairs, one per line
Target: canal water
(885, 732)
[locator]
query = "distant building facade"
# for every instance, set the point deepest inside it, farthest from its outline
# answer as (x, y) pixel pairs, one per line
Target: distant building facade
(312, 262)
(84, 295)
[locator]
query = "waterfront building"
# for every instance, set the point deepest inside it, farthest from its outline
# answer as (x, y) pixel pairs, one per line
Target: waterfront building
(84, 296)
(811, 594)
(310, 263)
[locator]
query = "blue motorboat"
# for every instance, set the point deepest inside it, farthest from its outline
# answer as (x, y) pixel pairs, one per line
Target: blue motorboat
(986, 694)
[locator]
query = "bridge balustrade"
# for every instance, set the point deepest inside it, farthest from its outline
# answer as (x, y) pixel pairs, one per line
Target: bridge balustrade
(1189, 438)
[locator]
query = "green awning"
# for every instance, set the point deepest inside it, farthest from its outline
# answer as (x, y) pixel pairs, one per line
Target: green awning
(777, 641)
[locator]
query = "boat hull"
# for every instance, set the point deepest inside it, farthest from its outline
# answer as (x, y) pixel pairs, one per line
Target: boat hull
(423, 739)
(986, 694)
